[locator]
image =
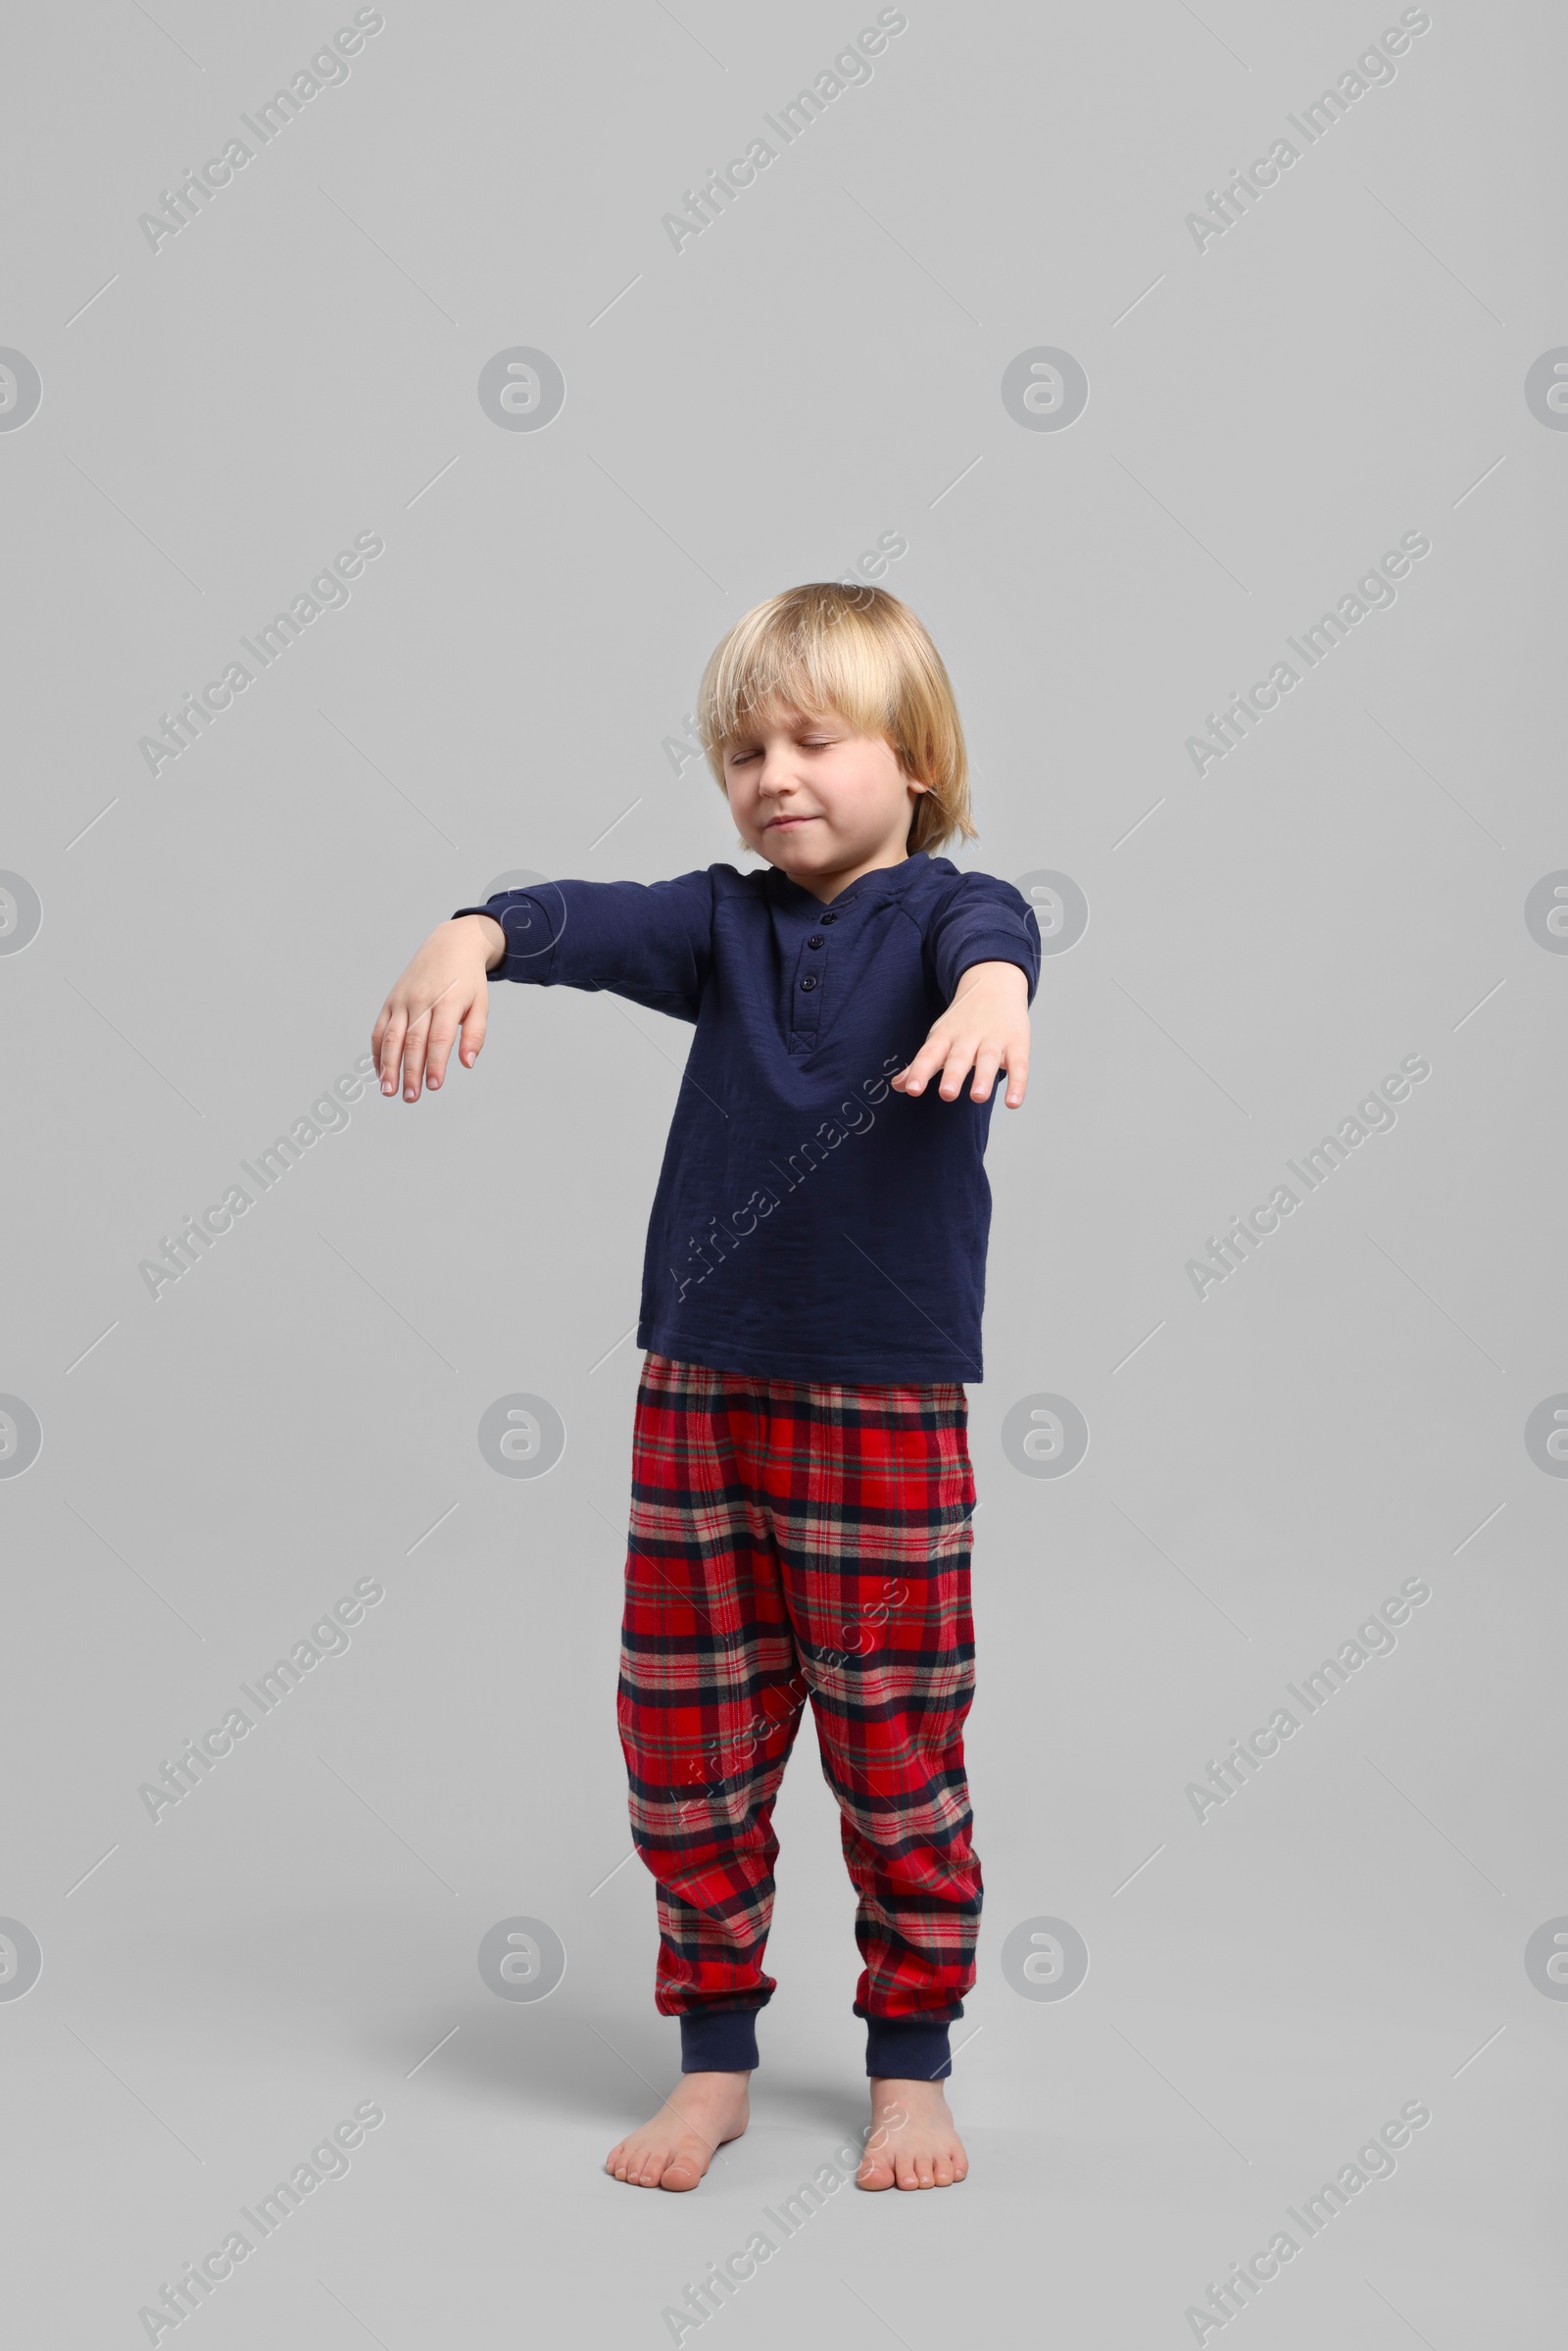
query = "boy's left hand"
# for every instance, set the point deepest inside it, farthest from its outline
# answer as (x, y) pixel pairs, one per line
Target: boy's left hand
(985, 1028)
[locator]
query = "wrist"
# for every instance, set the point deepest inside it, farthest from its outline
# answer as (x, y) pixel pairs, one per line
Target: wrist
(999, 973)
(491, 937)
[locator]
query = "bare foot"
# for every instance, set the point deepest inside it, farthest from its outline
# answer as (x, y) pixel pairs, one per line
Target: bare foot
(678, 2146)
(913, 2142)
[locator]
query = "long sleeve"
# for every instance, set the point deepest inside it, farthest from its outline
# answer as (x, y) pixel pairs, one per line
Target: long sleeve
(650, 941)
(982, 920)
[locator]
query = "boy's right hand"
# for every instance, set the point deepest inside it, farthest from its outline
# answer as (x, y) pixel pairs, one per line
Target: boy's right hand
(444, 989)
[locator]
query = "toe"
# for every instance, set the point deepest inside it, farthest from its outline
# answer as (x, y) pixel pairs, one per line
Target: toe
(680, 2174)
(904, 2170)
(941, 2171)
(876, 2172)
(923, 2172)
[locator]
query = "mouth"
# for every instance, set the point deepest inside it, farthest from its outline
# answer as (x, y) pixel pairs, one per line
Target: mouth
(779, 824)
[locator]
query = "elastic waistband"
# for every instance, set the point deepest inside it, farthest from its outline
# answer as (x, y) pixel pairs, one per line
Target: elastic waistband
(702, 1378)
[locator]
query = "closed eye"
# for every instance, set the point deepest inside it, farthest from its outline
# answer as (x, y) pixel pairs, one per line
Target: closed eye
(738, 758)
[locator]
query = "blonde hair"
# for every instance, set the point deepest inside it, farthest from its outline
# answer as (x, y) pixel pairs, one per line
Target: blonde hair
(861, 653)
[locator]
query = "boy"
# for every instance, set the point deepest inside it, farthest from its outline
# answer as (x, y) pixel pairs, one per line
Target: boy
(811, 1295)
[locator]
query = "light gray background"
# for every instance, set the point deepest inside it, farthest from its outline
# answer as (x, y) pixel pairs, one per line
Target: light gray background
(301, 1410)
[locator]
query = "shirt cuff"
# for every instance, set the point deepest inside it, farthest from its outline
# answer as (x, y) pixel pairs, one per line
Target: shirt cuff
(510, 965)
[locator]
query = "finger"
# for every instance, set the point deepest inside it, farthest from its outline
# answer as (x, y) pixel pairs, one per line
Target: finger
(446, 1018)
(391, 1050)
(988, 1061)
(415, 1046)
(956, 1067)
(1018, 1077)
(927, 1061)
(442, 1038)
(475, 1021)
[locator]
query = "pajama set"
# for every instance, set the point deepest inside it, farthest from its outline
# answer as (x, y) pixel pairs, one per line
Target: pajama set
(802, 1492)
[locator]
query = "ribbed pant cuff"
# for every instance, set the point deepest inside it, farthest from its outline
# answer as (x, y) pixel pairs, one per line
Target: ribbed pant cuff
(718, 2041)
(907, 2049)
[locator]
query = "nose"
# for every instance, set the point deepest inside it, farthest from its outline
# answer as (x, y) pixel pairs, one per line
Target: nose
(775, 776)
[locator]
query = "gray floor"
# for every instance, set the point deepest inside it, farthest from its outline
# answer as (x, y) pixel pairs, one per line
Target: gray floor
(299, 1937)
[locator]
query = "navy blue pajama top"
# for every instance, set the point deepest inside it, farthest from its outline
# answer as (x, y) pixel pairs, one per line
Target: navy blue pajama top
(809, 1223)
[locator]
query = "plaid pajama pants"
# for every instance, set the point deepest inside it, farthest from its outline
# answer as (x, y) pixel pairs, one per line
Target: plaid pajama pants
(792, 1539)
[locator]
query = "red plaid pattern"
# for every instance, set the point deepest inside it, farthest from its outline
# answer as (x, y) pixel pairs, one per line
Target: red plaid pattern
(790, 1540)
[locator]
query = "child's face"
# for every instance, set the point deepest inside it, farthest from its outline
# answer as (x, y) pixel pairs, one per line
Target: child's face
(814, 798)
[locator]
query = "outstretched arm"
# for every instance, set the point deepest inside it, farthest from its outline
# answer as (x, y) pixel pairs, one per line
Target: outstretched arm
(651, 942)
(985, 1028)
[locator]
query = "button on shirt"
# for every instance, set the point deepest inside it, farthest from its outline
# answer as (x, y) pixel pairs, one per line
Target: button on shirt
(808, 1222)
